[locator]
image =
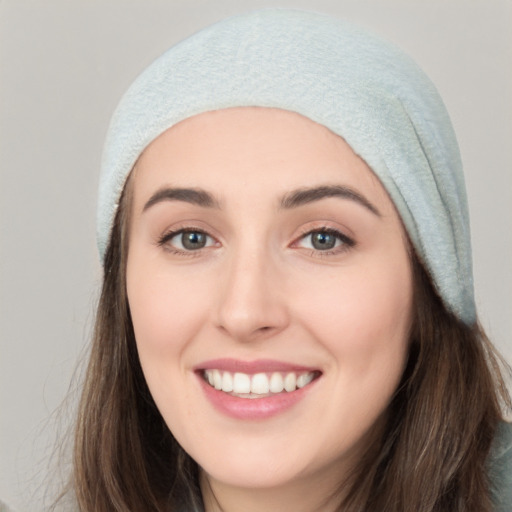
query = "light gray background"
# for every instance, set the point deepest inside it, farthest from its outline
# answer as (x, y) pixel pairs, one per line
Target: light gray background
(64, 65)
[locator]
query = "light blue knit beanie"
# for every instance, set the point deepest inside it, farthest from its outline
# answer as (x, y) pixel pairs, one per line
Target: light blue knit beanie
(360, 87)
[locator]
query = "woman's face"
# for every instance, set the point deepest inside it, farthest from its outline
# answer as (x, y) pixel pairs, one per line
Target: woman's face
(265, 254)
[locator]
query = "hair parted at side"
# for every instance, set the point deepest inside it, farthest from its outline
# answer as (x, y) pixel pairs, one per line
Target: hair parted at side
(429, 456)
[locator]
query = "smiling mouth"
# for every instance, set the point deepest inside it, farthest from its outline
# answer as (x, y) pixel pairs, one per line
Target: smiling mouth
(258, 385)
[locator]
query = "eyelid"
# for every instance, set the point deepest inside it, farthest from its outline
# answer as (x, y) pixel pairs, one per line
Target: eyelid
(164, 240)
(347, 242)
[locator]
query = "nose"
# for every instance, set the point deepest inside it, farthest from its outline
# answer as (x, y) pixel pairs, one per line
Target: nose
(252, 301)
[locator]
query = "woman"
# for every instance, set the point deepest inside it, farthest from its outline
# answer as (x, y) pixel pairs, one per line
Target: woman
(287, 319)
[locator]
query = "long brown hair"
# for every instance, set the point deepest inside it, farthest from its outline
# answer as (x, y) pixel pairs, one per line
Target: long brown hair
(430, 455)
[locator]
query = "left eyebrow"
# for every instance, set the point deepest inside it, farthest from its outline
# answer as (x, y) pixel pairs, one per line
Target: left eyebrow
(304, 196)
(195, 196)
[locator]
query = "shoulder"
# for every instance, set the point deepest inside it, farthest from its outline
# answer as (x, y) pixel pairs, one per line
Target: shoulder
(500, 468)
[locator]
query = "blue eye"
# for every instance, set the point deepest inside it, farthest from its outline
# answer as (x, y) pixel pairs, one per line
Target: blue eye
(186, 240)
(322, 241)
(325, 240)
(193, 240)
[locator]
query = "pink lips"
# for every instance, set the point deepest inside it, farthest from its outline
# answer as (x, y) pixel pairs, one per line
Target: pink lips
(251, 367)
(256, 408)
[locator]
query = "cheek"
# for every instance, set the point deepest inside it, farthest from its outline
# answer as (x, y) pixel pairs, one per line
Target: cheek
(165, 312)
(166, 316)
(363, 323)
(363, 319)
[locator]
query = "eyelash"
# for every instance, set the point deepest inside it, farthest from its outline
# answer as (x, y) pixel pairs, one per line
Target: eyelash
(164, 240)
(346, 242)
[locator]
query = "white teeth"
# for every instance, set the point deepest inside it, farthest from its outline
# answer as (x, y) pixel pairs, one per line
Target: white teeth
(276, 383)
(257, 384)
(227, 382)
(260, 384)
(217, 379)
(304, 379)
(241, 383)
(290, 382)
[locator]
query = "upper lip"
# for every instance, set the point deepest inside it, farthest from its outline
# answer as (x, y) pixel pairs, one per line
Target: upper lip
(252, 367)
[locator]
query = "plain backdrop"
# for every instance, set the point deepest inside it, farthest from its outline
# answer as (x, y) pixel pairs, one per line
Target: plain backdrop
(63, 66)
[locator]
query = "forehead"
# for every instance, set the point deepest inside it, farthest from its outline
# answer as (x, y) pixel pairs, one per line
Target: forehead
(251, 148)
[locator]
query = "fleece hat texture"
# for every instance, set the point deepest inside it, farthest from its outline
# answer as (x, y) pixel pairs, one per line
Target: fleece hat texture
(360, 87)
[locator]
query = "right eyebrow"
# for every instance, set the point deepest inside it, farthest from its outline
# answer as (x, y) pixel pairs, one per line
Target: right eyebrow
(304, 196)
(195, 196)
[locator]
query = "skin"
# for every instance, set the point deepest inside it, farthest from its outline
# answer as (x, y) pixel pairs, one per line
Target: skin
(260, 289)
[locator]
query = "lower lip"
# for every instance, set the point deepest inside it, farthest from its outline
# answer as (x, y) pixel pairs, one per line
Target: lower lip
(253, 408)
